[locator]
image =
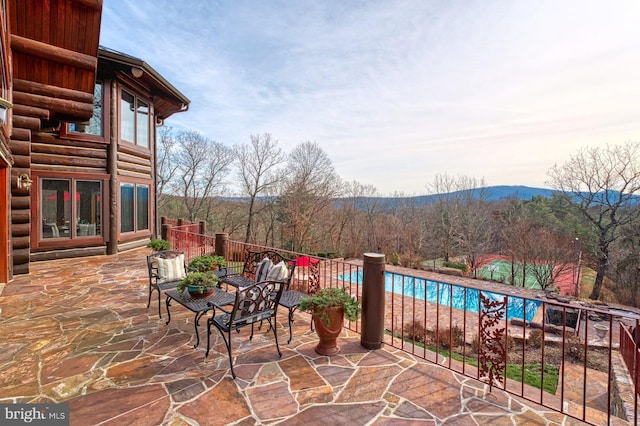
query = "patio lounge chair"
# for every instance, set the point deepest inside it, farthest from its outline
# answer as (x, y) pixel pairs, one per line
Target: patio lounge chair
(166, 269)
(253, 304)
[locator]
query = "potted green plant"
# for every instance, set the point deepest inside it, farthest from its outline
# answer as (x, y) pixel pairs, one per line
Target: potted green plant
(329, 307)
(198, 284)
(207, 262)
(159, 245)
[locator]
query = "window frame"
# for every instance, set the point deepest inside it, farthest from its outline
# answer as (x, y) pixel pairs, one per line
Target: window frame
(5, 71)
(73, 239)
(137, 98)
(136, 231)
(68, 134)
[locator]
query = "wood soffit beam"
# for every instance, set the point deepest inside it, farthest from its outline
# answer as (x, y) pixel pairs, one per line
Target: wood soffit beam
(53, 53)
(93, 4)
(53, 91)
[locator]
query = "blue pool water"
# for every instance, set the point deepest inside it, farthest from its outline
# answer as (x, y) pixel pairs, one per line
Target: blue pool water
(446, 294)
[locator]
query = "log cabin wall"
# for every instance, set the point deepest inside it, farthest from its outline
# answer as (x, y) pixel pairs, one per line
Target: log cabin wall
(76, 156)
(80, 181)
(6, 159)
(117, 159)
(52, 47)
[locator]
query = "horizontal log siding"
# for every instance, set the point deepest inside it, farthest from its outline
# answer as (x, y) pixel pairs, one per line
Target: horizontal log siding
(20, 145)
(30, 111)
(51, 153)
(134, 163)
(32, 123)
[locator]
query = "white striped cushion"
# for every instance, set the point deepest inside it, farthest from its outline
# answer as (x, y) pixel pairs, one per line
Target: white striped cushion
(278, 272)
(171, 269)
(263, 269)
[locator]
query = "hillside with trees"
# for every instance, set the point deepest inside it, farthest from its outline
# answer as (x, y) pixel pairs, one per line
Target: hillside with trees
(297, 201)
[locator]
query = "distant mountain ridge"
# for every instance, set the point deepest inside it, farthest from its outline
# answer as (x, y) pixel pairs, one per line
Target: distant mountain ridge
(492, 193)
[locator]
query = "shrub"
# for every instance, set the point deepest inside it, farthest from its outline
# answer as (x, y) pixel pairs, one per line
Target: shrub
(159, 245)
(206, 262)
(450, 337)
(475, 344)
(415, 331)
(535, 338)
(456, 265)
(509, 343)
(330, 297)
(575, 348)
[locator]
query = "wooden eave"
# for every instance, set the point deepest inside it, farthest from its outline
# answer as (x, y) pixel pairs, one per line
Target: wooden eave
(54, 47)
(167, 100)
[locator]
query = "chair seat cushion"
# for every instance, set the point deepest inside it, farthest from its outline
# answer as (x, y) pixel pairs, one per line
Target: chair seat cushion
(171, 269)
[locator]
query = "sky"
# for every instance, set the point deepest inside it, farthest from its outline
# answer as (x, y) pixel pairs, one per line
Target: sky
(398, 92)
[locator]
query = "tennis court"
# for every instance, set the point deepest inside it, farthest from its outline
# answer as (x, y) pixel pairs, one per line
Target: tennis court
(500, 270)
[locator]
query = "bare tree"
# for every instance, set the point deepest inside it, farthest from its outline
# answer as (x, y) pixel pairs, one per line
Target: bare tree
(550, 257)
(474, 225)
(356, 215)
(604, 183)
(258, 172)
(625, 259)
(203, 165)
(516, 224)
(166, 166)
(310, 188)
(459, 219)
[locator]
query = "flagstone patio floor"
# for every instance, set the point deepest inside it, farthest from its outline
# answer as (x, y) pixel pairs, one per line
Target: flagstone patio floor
(78, 331)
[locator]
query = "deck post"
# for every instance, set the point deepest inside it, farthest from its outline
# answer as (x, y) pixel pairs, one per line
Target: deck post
(373, 301)
(221, 244)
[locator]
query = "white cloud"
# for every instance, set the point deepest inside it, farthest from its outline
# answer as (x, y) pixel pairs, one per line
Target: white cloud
(398, 91)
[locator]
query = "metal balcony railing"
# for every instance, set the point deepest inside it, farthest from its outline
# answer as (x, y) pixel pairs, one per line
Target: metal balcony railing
(571, 357)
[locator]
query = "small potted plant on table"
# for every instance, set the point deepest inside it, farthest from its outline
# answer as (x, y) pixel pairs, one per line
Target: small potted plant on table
(329, 307)
(198, 284)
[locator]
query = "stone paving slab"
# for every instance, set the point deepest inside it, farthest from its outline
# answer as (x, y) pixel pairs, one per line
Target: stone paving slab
(79, 331)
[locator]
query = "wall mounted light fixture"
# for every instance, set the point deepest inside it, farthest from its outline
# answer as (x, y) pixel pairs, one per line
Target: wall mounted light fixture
(136, 72)
(24, 182)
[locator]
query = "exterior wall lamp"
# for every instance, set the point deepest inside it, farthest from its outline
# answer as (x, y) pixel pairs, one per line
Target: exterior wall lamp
(24, 181)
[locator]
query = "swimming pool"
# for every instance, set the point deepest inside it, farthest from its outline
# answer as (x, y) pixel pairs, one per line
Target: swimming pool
(448, 294)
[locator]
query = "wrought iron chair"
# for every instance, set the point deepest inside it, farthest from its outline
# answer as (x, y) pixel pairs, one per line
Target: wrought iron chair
(253, 304)
(290, 298)
(166, 269)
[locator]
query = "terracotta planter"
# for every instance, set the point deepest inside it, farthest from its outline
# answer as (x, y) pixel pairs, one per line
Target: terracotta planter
(328, 334)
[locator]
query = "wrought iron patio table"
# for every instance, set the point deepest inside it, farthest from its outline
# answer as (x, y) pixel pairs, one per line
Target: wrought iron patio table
(290, 299)
(201, 306)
